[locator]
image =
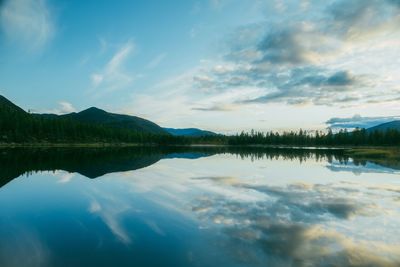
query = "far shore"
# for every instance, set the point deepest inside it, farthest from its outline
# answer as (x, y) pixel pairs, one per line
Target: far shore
(351, 150)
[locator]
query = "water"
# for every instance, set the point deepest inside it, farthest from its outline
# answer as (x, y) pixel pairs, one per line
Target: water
(203, 207)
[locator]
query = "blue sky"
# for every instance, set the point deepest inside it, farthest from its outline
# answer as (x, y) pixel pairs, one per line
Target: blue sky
(222, 65)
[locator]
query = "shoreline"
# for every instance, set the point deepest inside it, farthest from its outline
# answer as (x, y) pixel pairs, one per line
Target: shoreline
(83, 145)
(350, 150)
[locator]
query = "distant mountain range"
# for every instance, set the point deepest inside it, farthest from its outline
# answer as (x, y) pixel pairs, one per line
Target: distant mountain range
(393, 125)
(189, 132)
(98, 116)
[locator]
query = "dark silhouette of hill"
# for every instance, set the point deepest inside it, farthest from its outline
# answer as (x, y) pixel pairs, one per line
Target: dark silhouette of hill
(393, 125)
(99, 116)
(7, 105)
(189, 132)
(89, 126)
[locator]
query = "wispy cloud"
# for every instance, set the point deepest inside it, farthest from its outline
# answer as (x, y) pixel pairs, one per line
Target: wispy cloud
(114, 75)
(156, 61)
(28, 22)
(214, 108)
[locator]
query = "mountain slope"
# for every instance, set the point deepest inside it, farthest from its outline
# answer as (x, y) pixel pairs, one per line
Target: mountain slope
(99, 116)
(189, 132)
(7, 105)
(393, 125)
(86, 127)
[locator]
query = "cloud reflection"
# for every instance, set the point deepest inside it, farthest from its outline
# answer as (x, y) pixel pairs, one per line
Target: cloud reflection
(112, 210)
(24, 247)
(294, 226)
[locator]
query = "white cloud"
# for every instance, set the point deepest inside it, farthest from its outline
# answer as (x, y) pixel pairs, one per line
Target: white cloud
(65, 177)
(28, 22)
(156, 61)
(66, 107)
(114, 76)
(96, 79)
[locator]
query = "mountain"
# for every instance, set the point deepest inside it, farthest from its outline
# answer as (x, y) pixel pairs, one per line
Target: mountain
(89, 126)
(189, 132)
(7, 105)
(99, 116)
(393, 125)
(92, 116)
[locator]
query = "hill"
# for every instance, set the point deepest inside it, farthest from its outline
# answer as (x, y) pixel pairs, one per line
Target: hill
(194, 132)
(91, 116)
(89, 126)
(393, 125)
(99, 116)
(8, 106)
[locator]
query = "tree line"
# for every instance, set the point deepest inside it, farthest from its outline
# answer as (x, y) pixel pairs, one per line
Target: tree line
(358, 137)
(21, 127)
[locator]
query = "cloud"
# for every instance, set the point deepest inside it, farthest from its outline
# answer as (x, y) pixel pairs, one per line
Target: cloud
(96, 79)
(294, 225)
(303, 86)
(355, 19)
(156, 61)
(305, 60)
(64, 107)
(214, 108)
(340, 78)
(28, 22)
(114, 76)
(357, 121)
(336, 54)
(300, 85)
(287, 46)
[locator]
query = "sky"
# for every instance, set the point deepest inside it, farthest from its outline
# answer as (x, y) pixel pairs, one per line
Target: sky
(221, 65)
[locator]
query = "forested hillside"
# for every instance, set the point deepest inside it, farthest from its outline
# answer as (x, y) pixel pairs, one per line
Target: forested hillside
(97, 126)
(18, 126)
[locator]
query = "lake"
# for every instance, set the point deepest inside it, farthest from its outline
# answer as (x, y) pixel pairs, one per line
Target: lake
(196, 207)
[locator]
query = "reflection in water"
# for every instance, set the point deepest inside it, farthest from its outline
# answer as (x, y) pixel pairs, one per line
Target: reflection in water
(287, 229)
(96, 162)
(196, 207)
(358, 168)
(90, 162)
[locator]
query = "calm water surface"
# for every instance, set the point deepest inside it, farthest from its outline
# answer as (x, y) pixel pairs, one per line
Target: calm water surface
(196, 208)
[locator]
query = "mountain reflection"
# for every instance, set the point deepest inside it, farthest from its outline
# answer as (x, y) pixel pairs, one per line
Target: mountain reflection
(96, 162)
(197, 206)
(89, 162)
